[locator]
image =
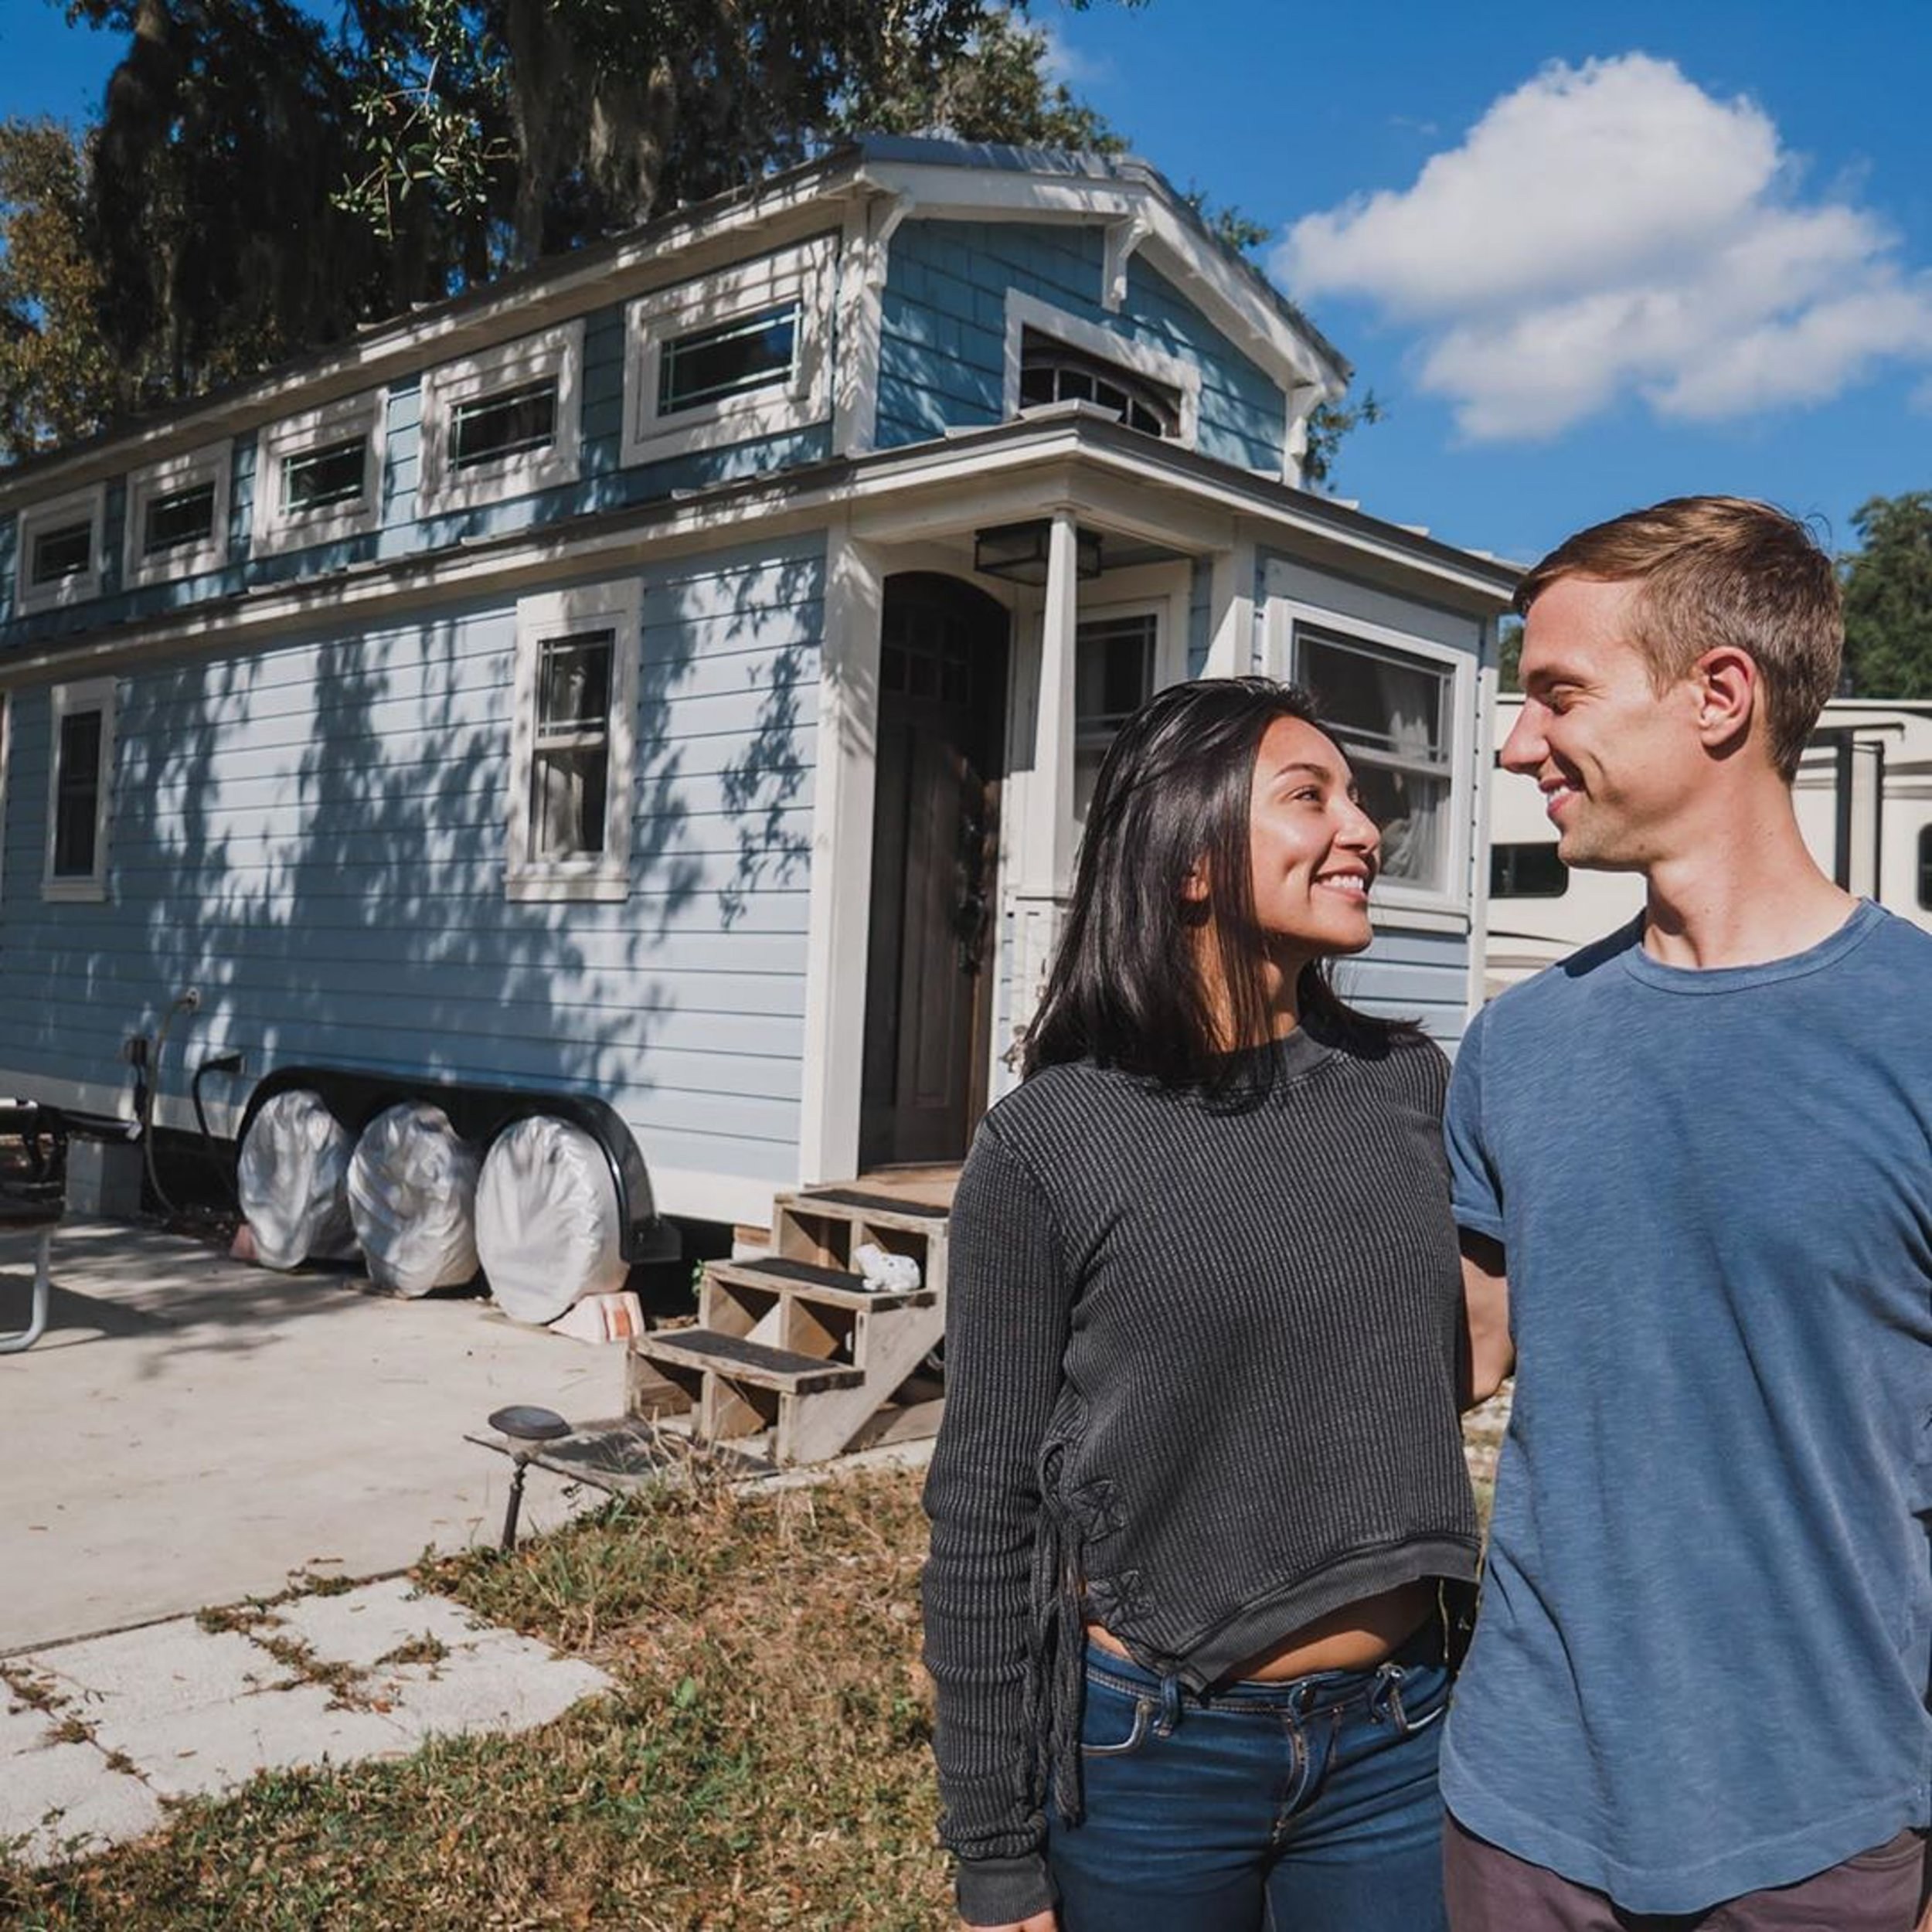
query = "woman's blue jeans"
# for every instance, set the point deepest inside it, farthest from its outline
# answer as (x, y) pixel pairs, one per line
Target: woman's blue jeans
(1308, 1805)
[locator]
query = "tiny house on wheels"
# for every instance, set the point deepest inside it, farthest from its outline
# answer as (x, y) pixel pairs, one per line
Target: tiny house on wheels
(675, 675)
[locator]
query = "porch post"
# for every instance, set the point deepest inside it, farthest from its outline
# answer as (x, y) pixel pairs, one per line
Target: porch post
(1054, 750)
(1047, 873)
(837, 927)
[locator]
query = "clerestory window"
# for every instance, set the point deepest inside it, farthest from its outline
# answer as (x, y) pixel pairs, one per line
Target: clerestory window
(318, 476)
(177, 517)
(503, 424)
(1052, 372)
(57, 551)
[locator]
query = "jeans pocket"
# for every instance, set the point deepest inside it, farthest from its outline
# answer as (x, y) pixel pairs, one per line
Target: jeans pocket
(1105, 1717)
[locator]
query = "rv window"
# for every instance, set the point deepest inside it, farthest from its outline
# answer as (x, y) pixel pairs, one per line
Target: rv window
(1113, 678)
(1392, 714)
(748, 352)
(1528, 871)
(1925, 868)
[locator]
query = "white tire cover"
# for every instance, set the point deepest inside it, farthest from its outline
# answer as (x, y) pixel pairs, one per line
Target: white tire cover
(412, 1195)
(547, 1220)
(292, 1179)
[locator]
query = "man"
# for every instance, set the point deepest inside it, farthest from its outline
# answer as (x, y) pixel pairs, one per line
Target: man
(1693, 1168)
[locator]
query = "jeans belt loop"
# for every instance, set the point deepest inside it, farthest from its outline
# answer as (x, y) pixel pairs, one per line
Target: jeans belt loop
(1170, 1707)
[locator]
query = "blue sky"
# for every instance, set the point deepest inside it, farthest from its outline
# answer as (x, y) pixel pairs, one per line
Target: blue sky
(1587, 257)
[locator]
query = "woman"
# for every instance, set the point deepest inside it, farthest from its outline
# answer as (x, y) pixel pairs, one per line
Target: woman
(1200, 1482)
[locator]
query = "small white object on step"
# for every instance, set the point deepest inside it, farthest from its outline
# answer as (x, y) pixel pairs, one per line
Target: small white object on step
(897, 1273)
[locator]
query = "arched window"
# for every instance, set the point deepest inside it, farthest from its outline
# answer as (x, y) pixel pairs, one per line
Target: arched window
(1050, 372)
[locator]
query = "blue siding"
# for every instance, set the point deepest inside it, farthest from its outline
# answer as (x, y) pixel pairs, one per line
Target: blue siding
(1412, 975)
(314, 835)
(943, 341)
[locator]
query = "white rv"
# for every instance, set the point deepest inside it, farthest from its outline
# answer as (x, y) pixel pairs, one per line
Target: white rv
(1864, 802)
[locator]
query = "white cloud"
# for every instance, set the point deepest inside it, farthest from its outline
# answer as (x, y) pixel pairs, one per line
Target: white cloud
(1613, 228)
(1065, 63)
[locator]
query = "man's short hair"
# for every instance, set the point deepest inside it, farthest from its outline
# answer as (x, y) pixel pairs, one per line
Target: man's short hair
(1720, 571)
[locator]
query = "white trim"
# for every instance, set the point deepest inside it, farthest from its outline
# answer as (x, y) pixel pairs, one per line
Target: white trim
(805, 275)
(618, 608)
(1025, 311)
(90, 694)
(864, 252)
(696, 1194)
(35, 520)
(838, 919)
(1230, 652)
(927, 490)
(1135, 593)
(1396, 897)
(272, 530)
(1123, 239)
(551, 354)
(213, 466)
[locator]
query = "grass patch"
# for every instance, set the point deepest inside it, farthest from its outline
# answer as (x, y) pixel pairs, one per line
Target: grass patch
(766, 1762)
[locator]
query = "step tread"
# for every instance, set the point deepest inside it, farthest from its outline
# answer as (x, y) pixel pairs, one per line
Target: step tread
(734, 1357)
(812, 1283)
(853, 1197)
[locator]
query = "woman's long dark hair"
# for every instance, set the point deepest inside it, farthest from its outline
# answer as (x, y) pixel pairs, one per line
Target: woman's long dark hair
(1127, 987)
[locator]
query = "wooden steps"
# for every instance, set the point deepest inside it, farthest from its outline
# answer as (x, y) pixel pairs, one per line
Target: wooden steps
(796, 1343)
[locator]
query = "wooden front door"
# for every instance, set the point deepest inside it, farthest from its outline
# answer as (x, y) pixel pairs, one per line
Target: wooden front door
(942, 691)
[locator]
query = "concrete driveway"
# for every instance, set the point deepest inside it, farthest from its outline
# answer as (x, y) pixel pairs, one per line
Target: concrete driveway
(191, 1431)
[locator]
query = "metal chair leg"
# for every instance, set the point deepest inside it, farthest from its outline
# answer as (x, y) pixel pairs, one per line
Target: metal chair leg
(42, 1285)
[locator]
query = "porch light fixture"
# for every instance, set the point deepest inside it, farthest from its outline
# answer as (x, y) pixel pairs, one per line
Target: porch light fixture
(1018, 551)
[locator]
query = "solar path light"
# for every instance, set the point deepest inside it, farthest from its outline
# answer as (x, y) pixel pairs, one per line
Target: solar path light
(528, 1429)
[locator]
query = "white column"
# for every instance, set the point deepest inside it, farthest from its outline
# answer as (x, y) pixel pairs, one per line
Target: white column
(1231, 614)
(1047, 868)
(836, 928)
(1054, 750)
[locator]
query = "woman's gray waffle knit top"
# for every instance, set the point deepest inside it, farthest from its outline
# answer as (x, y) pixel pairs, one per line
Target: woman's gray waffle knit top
(1201, 1388)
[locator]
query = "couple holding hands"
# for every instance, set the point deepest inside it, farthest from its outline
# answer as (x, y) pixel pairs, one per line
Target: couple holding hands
(1230, 1261)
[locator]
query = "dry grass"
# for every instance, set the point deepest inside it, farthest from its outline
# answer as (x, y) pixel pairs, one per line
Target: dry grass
(765, 1764)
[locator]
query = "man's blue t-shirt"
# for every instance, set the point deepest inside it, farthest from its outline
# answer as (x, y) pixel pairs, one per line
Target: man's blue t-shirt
(1702, 1660)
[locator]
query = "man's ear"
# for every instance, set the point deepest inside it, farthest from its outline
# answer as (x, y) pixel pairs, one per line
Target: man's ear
(1729, 693)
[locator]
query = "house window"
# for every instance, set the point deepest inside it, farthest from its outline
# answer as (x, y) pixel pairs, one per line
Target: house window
(1393, 713)
(177, 517)
(57, 551)
(1113, 660)
(81, 765)
(66, 552)
(318, 475)
(742, 352)
(752, 353)
(1530, 870)
(1052, 372)
(180, 520)
(502, 423)
(515, 423)
(1052, 356)
(573, 744)
(324, 479)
